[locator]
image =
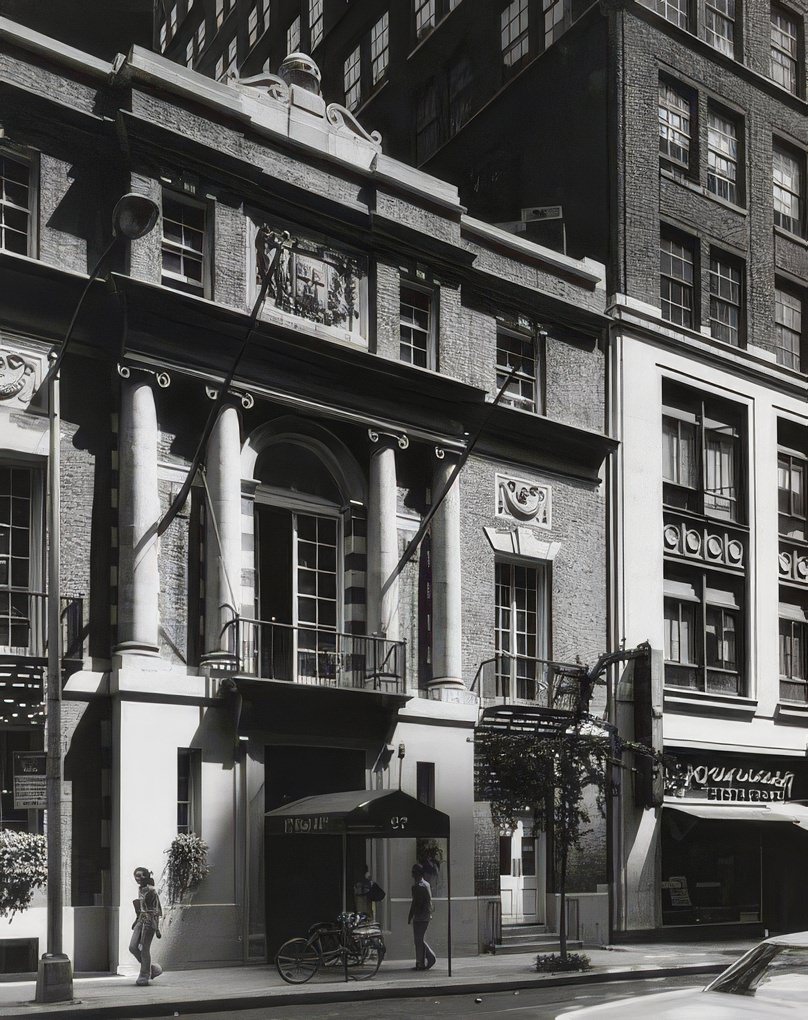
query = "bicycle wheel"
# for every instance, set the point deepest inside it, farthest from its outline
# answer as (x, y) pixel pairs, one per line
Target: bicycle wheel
(297, 961)
(365, 962)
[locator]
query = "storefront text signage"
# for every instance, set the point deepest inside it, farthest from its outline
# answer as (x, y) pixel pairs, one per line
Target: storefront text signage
(30, 783)
(736, 783)
(310, 823)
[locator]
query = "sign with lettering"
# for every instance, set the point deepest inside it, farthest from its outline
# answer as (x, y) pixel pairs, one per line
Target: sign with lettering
(730, 783)
(305, 824)
(30, 782)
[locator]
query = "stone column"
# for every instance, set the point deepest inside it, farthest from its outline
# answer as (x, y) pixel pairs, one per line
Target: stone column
(138, 516)
(223, 534)
(447, 642)
(382, 547)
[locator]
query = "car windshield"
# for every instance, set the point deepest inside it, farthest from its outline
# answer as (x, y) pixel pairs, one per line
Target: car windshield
(770, 971)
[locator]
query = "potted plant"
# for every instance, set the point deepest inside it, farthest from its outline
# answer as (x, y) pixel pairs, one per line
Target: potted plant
(186, 866)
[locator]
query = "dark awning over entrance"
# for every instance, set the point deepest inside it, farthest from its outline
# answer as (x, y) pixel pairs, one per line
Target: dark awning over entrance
(383, 814)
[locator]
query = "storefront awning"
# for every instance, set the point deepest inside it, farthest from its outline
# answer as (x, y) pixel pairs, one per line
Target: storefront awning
(782, 811)
(384, 814)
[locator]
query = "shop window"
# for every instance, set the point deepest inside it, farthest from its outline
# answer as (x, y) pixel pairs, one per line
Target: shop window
(11, 742)
(726, 291)
(189, 774)
(514, 33)
(788, 328)
(787, 183)
(793, 641)
(719, 25)
(16, 204)
(701, 455)
(703, 632)
(723, 156)
(676, 124)
(425, 782)
(677, 279)
(519, 349)
(784, 60)
(184, 245)
(417, 326)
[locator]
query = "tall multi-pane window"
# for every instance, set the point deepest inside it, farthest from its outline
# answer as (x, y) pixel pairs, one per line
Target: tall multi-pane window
(722, 156)
(554, 11)
(15, 204)
(189, 768)
(219, 13)
(315, 22)
(793, 641)
(521, 630)
(675, 127)
(416, 344)
(788, 328)
(352, 78)
(719, 25)
(252, 24)
(379, 48)
(427, 133)
(199, 38)
(16, 522)
(675, 11)
(514, 32)
(293, 35)
(183, 246)
(787, 181)
(725, 299)
(785, 55)
(425, 16)
(677, 280)
(460, 81)
(517, 353)
(791, 508)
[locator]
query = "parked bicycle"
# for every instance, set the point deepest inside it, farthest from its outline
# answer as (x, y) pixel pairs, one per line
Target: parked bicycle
(353, 941)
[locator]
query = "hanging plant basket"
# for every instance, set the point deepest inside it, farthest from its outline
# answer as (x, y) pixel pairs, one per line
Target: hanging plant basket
(186, 866)
(23, 869)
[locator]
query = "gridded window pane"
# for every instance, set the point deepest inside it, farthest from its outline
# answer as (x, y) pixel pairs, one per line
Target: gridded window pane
(791, 496)
(514, 32)
(680, 632)
(787, 328)
(675, 11)
(722, 156)
(379, 48)
(720, 634)
(676, 281)
(517, 626)
(720, 491)
(427, 126)
(252, 24)
(183, 246)
(679, 464)
(554, 11)
(351, 78)
(15, 200)
(783, 62)
(315, 22)
(424, 16)
(787, 183)
(515, 351)
(719, 25)
(725, 300)
(15, 552)
(293, 36)
(674, 125)
(793, 667)
(416, 326)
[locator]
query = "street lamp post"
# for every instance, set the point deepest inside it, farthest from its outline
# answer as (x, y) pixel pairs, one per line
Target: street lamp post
(133, 217)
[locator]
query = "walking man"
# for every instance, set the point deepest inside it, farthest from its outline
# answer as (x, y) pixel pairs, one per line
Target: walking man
(419, 917)
(147, 924)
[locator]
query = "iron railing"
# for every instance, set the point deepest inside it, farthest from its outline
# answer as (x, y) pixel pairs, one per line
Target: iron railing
(523, 679)
(316, 655)
(24, 625)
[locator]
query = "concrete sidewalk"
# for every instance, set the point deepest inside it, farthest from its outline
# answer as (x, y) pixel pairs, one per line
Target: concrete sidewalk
(233, 988)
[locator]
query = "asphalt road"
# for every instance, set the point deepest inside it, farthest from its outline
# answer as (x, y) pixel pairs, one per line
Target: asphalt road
(527, 1004)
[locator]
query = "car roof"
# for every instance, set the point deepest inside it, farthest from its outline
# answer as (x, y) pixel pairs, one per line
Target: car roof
(797, 938)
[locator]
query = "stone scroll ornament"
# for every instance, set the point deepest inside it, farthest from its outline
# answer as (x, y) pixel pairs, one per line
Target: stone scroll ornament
(523, 500)
(308, 279)
(17, 379)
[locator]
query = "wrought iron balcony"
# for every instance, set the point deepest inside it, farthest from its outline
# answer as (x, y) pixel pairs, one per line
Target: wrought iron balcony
(23, 624)
(269, 650)
(523, 680)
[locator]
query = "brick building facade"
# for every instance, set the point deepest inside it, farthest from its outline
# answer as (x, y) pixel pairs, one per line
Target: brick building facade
(263, 647)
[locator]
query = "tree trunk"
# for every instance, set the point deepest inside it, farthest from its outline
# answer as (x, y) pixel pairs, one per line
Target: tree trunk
(562, 906)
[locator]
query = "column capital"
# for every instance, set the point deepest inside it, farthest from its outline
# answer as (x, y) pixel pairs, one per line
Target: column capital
(162, 378)
(233, 397)
(442, 452)
(382, 438)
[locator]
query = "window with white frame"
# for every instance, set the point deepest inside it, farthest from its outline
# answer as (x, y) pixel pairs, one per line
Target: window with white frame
(793, 642)
(722, 156)
(352, 78)
(726, 290)
(293, 36)
(16, 196)
(719, 25)
(675, 11)
(554, 15)
(788, 328)
(675, 125)
(379, 48)
(425, 16)
(677, 287)
(791, 510)
(252, 24)
(784, 59)
(417, 326)
(522, 631)
(517, 352)
(514, 33)
(19, 496)
(315, 23)
(787, 181)
(184, 245)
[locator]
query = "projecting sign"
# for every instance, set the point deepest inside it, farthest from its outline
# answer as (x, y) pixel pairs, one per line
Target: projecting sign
(542, 212)
(30, 784)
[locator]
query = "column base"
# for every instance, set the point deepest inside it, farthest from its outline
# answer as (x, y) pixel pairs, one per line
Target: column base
(135, 648)
(222, 662)
(54, 978)
(451, 689)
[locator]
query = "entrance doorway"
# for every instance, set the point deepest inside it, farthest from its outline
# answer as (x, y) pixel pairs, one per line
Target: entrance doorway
(522, 875)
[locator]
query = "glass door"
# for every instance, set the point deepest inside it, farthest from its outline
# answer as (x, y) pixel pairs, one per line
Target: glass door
(316, 541)
(520, 631)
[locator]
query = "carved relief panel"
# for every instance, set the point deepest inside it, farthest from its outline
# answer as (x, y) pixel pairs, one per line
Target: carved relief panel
(524, 501)
(705, 543)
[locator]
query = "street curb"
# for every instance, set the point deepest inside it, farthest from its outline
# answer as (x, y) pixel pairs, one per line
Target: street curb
(351, 993)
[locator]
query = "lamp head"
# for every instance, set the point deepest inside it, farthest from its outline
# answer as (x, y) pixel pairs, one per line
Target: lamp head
(134, 216)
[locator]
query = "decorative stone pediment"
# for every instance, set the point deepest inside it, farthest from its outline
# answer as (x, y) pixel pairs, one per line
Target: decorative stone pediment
(521, 542)
(523, 500)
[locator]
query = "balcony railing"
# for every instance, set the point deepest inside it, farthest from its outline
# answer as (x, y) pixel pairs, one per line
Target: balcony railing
(521, 679)
(323, 658)
(24, 626)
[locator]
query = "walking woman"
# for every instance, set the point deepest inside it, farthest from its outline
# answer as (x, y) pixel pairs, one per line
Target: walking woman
(147, 924)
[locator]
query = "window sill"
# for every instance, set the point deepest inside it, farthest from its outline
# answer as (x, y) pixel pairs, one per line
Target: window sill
(698, 189)
(791, 713)
(789, 236)
(690, 702)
